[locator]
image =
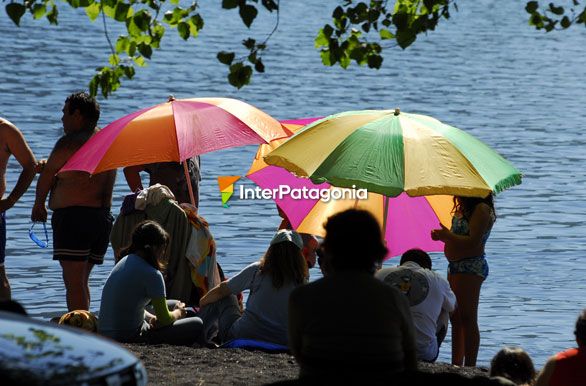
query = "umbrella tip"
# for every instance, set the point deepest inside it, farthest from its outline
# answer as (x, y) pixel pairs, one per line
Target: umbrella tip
(397, 111)
(171, 98)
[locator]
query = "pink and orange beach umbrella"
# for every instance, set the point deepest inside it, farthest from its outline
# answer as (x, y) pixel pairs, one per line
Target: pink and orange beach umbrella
(175, 131)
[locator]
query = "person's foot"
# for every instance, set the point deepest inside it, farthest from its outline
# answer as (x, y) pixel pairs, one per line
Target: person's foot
(211, 345)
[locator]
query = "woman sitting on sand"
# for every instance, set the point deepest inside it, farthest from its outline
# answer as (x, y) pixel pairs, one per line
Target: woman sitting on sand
(464, 248)
(135, 281)
(270, 282)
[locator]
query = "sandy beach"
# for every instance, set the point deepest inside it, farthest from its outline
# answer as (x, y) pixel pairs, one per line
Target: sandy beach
(177, 365)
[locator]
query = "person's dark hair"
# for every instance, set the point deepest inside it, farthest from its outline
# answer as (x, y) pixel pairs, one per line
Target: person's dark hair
(466, 205)
(354, 241)
(580, 330)
(418, 256)
(284, 263)
(87, 106)
(147, 236)
(514, 364)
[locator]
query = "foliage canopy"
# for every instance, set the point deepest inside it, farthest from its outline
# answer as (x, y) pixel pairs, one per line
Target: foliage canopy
(358, 30)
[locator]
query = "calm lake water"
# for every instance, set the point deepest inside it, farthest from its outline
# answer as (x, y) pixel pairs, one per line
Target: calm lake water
(486, 71)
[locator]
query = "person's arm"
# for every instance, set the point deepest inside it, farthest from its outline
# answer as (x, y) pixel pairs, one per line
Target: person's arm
(18, 147)
(545, 374)
(219, 292)
(59, 156)
(132, 175)
(478, 225)
(150, 318)
(164, 317)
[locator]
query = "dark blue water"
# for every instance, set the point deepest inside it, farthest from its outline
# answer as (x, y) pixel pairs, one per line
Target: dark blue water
(486, 71)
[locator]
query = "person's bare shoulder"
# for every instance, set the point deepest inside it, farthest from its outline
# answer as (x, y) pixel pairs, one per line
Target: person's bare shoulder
(7, 132)
(12, 142)
(73, 141)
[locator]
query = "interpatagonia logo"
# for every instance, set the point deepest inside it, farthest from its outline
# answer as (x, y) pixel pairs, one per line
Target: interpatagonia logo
(226, 184)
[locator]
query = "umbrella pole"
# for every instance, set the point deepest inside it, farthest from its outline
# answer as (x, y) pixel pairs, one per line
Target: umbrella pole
(188, 180)
(385, 213)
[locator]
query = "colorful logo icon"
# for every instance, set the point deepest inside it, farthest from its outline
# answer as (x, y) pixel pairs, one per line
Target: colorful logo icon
(226, 184)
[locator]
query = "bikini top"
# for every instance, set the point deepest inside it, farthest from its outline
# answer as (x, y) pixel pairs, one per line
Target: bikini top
(460, 226)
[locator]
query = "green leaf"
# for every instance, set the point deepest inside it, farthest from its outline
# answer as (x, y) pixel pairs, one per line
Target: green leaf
(252, 57)
(183, 30)
(536, 20)
(142, 19)
(239, 75)
(326, 58)
(73, 3)
(145, 50)
(195, 24)
(344, 61)
(405, 38)
(39, 10)
(132, 48)
(249, 43)
(385, 34)
(225, 57)
(375, 61)
(15, 12)
(93, 11)
(358, 54)
(132, 28)
(229, 4)
(122, 10)
(114, 59)
(139, 60)
(248, 14)
(556, 10)
(122, 44)
(109, 10)
(128, 71)
(93, 86)
(259, 66)
(531, 6)
(401, 21)
(271, 6)
(321, 40)
(565, 22)
(338, 13)
(53, 14)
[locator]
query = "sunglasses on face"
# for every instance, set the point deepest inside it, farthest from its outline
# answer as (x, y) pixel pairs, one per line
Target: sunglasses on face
(33, 236)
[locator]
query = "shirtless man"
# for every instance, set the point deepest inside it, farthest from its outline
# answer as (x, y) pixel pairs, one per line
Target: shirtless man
(81, 203)
(12, 143)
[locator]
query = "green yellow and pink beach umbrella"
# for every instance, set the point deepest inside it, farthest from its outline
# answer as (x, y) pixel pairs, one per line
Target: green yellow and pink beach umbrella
(411, 165)
(390, 152)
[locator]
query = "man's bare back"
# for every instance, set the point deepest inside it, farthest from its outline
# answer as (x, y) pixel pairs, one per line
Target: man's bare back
(12, 143)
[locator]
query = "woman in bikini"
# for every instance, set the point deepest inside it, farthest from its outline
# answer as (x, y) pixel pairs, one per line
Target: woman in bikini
(464, 243)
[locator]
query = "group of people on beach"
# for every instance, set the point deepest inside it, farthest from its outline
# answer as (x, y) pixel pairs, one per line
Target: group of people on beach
(358, 317)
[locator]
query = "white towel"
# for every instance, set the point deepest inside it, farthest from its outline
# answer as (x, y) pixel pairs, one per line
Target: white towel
(152, 196)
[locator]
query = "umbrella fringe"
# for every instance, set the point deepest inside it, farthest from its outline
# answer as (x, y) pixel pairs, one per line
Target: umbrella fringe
(506, 183)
